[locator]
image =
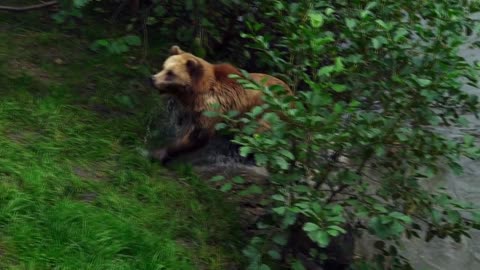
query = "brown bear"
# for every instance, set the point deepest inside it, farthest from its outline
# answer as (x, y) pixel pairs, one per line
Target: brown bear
(197, 85)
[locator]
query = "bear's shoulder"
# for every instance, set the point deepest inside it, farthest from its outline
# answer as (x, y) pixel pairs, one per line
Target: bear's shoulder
(222, 72)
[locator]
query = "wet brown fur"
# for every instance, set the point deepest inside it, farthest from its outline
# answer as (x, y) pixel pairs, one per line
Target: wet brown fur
(205, 85)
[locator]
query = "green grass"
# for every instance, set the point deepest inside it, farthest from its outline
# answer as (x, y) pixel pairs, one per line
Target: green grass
(75, 193)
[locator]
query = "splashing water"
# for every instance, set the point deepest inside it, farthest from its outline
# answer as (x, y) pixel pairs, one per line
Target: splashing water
(219, 157)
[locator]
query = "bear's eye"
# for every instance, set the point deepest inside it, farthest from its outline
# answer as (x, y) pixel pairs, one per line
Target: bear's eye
(169, 76)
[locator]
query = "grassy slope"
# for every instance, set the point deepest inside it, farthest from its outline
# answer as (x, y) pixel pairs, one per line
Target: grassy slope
(74, 191)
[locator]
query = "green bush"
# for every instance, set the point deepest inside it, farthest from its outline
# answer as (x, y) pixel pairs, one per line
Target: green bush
(375, 81)
(70, 9)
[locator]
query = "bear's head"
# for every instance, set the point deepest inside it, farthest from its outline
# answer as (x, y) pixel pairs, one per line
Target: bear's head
(182, 73)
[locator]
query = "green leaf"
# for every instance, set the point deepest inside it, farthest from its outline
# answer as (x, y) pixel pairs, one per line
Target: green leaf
(429, 172)
(423, 82)
(468, 140)
(325, 71)
(220, 126)
(339, 66)
(337, 228)
(401, 217)
(238, 180)
(80, 3)
(256, 111)
(310, 227)
(132, 40)
(278, 197)
(217, 178)
(210, 114)
(261, 159)
(281, 162)
(351, 23)
(382, 24)
(297, 265)
(329, 11)
(453, 217)
(245, 150)
(234, 76)
(377, 43)
(463, 121)
(333, 233)
(286, 153)
(264, 267)
(399, 34)
(215, 106)
(379, 150)
(226, 187)
(371, 5)
(396, 228)
(279, 5)
(336, 209)
(456, 168)
(401, 137)
(365, 13)
(274, 254)
(102, 42)
(338, 108)
(380, 208)
(316, 19)
(321, 237)
(233, 114)
(289, 218)
(270, 117)
(251, 190)
(339, 88)
(280, 210)
(280, 239)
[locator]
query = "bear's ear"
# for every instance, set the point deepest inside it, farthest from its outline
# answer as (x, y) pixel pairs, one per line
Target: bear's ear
(175, 50)
(194, 67)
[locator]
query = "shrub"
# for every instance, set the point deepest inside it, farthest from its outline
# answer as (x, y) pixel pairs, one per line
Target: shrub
(375, 82)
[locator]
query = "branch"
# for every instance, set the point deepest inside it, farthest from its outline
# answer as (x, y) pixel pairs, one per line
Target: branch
(359, 170)
(27, 8)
